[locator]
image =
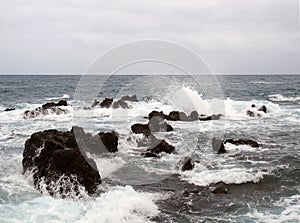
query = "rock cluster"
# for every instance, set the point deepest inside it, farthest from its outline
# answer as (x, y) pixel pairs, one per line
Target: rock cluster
(181, 116)
(46, 109)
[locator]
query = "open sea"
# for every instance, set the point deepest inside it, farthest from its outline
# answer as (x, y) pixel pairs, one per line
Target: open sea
(263, 183)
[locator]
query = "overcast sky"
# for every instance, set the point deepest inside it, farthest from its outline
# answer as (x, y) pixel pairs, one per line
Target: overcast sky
(232, 36)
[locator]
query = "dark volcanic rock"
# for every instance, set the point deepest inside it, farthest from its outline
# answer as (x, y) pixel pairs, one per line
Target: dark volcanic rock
(149, 141)
(106, 103)
(181, 116)
(53, 104)
(141, 129)
(109, 140)
(263, 108)
(237, 142)
(58, 163)
(156, 114)
(186, 164)
(9, 109)
(96, 144)
(194, 116)
(218, 145)
(250, 113)
(211, 117)
(120, 104)
(163, 146)
(253, 113)
(96, 103)
(157, 124)
(42, 111)
(47, 109)
(220, 188)
(132, 98)
(150, 154)
(177, 116)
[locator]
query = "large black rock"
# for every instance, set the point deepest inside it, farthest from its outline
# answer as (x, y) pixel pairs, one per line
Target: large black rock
(59, 163)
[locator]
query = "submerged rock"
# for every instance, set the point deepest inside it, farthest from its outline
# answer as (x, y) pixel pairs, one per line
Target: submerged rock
(253, 111)
(47, 109)
(211, 117)
(9, 109)
(263, 108)
(237, 142)
(59, 166)
(163, 146)
(42, 112)
(132, 98)
(150, 154)
(181, 116)
(218, 144)
(220, 188)
(120, 104)
(109, 102)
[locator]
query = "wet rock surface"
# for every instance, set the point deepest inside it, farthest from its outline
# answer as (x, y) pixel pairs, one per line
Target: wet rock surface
(218, 144)
(181, 116)
(58, 164)
(53, 104)
(47, 109)
(59, 161)
(186, 164)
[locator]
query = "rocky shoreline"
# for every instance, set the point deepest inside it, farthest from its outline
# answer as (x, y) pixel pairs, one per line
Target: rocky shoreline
(60, 160)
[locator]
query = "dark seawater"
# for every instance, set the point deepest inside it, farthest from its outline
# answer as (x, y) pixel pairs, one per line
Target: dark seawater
(263, 183)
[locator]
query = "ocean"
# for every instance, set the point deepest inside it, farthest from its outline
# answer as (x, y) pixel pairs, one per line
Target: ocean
(263, 183)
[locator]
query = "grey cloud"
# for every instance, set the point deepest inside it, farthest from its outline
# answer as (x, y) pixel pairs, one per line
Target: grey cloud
(64, 37)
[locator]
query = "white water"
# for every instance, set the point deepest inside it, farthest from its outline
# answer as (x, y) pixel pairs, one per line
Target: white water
(281, 98)
(119, 204)
(124, 204)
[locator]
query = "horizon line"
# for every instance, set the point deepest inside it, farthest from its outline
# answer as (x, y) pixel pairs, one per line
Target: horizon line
(131, 74)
